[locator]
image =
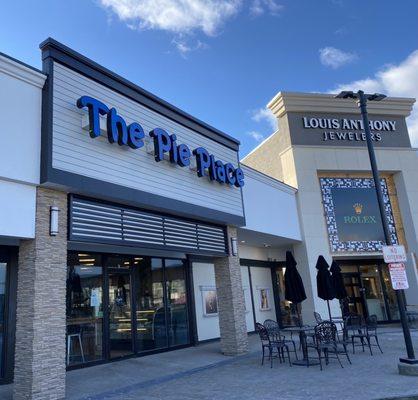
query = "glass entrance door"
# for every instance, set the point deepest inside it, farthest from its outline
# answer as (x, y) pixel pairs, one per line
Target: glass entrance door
(120, 315)
(354, 290)
(370, 291)
(373, 291)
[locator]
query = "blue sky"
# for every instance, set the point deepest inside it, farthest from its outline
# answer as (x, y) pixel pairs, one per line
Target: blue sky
(223, 60)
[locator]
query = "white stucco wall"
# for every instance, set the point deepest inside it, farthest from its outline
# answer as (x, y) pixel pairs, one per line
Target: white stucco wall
(270, 206)
(249, 315)
(204, 276)
(263, 253)
(20, 121)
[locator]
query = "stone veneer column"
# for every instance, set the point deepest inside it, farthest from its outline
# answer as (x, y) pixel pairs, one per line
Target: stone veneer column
(41, 313)
(231, 303)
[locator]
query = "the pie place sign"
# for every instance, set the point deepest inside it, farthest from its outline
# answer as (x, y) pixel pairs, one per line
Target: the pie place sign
(132, 135)
(342, 128)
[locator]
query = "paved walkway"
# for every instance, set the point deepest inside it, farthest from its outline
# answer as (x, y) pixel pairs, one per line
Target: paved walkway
(202, 373)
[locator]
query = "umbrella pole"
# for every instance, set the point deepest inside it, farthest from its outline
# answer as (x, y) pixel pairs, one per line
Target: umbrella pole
(329, 311)
(298, 313)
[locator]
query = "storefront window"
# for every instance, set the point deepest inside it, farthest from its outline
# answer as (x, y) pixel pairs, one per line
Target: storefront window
(84, 308)
(178, 328)
(390, 294)
(120, 305)
(288, 310)
(151, 316)
(373, 292)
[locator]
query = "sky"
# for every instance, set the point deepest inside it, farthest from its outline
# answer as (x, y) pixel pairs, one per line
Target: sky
(223, 60)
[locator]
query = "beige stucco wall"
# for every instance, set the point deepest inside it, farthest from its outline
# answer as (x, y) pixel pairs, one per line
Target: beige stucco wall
(300, 167)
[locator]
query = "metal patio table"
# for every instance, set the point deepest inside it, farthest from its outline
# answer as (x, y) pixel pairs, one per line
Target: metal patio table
(302, 337)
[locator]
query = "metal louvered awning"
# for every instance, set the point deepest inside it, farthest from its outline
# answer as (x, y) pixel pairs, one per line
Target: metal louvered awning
(92, 221)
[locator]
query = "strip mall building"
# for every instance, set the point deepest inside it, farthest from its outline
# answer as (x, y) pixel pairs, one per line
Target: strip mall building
(128, 227)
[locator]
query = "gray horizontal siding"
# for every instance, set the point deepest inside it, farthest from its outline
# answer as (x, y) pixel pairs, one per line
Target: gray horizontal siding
(74, 151)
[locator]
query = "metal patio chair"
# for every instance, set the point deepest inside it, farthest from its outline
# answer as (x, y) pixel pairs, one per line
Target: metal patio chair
(371, 332)
(355, 329)
(273, 327)
(326, 343)
(272, 342)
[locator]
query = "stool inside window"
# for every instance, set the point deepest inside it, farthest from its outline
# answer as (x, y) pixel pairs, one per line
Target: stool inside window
(74, 335)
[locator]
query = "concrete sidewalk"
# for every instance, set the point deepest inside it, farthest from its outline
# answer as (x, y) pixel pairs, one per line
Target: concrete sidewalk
(202, 372)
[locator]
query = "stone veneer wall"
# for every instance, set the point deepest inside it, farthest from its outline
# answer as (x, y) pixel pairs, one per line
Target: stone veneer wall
(231, 302)
(41, 313)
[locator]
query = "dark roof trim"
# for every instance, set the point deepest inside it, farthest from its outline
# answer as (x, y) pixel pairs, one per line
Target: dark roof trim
(76, 61)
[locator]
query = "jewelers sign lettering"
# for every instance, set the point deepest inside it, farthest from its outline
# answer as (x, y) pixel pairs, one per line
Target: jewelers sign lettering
(347, 129)
(398, 276)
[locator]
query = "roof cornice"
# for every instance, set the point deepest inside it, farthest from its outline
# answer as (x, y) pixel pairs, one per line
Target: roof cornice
(285, 102)
(20, 71)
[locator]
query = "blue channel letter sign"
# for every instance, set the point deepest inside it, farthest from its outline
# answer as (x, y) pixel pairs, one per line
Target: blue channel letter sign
(132, 135)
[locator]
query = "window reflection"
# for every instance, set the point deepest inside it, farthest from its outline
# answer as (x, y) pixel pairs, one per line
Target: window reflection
(84, 308)
(288, 310)
(177, 302)
(373, 291)
(151, 317)
(391, 294)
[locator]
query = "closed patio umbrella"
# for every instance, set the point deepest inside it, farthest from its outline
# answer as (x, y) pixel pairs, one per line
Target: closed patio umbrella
(338, 283)
(324, 283)
(293, 285)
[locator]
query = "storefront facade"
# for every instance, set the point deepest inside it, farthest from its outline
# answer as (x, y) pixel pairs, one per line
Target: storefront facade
(19, 174)
(321, 151)
(127, 192)
(121, 230)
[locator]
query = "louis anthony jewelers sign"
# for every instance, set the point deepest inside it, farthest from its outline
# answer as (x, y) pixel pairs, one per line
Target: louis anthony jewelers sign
(347, 128)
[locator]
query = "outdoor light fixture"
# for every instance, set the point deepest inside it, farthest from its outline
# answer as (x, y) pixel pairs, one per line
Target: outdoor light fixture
(234, 246)
(347, 94)
(53, 220)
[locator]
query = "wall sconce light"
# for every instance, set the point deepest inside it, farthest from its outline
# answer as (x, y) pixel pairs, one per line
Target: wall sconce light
(53, 220)
(234, 246)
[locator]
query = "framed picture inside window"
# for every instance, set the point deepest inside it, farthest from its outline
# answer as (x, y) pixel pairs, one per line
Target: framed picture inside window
(209, 301)
(263, 296)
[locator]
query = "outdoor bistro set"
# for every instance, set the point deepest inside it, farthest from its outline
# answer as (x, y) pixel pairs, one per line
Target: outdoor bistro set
(328, 338)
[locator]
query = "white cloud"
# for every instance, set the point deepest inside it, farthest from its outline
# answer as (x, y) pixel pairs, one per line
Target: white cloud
(264, 114)
(335, 58)
(259, 7)
(393, 80)
(257, 136)
(177, 16)
(184, 46)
